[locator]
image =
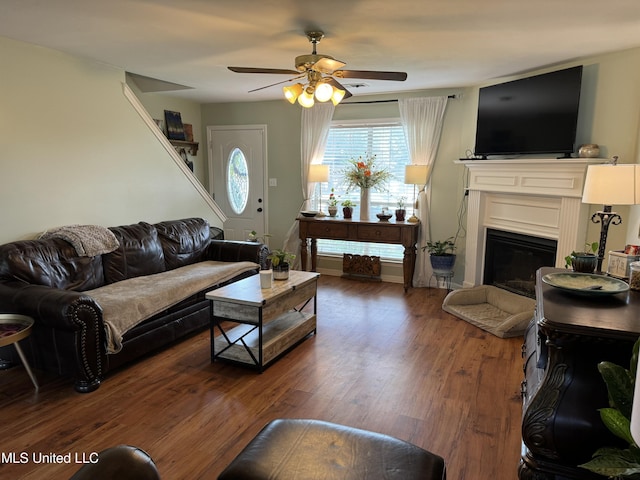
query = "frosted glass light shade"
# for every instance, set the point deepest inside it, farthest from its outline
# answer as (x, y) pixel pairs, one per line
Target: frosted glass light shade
(318, 173)
(612, 185)
(416, 174)
(338, 95)
(292, 92)
(306, 99)
(323, 92)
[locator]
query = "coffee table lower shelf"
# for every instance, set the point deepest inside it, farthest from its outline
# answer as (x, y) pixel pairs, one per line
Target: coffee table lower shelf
(278, 337)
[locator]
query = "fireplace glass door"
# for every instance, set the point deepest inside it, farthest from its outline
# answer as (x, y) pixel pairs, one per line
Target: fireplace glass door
(512, 259)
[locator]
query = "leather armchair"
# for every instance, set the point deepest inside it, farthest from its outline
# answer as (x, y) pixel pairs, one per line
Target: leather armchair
(123, 462)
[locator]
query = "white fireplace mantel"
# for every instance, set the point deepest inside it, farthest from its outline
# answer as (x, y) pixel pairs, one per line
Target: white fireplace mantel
(538, 197)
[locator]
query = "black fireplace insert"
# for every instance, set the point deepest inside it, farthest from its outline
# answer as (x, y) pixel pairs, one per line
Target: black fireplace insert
(512, 259)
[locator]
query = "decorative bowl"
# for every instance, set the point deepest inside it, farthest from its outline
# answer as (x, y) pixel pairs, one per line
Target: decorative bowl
(383, 217)
(309, 213)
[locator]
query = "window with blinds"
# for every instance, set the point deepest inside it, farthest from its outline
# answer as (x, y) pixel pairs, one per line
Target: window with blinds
(387, 142)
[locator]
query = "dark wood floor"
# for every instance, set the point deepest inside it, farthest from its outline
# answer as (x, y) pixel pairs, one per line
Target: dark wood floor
(382, 360)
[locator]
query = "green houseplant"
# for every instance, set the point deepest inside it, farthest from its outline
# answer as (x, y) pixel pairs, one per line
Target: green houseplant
(347, 208)
(401, 210)
(615, 462)
(441, 255)
(280, 262)
(333, 204)
(584, 261)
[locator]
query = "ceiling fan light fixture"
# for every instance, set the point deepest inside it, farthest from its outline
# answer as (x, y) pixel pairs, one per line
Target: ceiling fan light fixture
(324, 92)
(306, 99)
(338, 95)
(292, 92)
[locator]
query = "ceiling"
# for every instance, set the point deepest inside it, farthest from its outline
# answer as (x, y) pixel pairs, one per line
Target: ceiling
(439, 43)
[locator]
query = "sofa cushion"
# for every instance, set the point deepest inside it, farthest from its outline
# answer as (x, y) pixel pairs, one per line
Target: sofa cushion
(140, 253)
(53, 263)
(183, 241)
(127, 303)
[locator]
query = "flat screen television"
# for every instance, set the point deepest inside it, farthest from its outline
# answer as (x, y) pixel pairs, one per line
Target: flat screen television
(532, 115)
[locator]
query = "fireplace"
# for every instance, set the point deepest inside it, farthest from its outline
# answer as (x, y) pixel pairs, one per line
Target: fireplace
(533, 197)
(511, 260)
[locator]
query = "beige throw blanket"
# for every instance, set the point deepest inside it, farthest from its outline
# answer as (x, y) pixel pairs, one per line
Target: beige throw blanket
(88, 240)
(129, 302)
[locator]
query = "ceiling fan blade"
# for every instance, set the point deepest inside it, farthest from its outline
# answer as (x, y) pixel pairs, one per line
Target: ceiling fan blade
(371, 75)
(337, 84)
(263, 70)
(277, 83)
(327, 65)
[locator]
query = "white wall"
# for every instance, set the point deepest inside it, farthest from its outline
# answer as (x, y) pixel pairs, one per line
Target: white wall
(74, 151)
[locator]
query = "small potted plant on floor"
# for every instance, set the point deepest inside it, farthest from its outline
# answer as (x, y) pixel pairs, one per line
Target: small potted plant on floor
(585, 261)
(280, 261)
(347, 208)
(401, 211)
(441, 256)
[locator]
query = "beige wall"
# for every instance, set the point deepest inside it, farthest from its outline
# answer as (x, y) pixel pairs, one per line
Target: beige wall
(610, 107)
(74, 151)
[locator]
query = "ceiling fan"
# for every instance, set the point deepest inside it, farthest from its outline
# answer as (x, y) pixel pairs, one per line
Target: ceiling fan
(320, 72)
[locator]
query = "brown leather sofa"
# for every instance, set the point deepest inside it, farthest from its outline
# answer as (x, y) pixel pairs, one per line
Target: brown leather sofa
(47, 280)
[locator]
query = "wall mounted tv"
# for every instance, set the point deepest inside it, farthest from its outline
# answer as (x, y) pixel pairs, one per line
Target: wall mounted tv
(532, 115)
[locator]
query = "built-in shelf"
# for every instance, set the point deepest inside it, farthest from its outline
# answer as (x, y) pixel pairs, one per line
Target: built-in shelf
(191, 146)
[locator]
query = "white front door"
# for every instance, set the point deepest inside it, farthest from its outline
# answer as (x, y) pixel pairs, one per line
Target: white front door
(237, 166)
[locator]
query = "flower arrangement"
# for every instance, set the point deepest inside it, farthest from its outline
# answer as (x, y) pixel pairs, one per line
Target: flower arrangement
(363, 173)
(402, 201)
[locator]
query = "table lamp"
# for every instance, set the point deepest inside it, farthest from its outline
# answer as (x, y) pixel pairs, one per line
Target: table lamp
(610, 184)
(415, 175)
(319, 173)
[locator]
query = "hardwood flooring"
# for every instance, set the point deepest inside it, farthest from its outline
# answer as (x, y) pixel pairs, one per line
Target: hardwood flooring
(382, 360)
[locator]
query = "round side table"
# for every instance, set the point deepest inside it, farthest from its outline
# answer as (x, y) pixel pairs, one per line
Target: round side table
(13, 328)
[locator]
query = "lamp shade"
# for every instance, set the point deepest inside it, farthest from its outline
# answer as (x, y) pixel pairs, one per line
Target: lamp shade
(416, 174)
(612, 185)
(292, 92)
(318, 173)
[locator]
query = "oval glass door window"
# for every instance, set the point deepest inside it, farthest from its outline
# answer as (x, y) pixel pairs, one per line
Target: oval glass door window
(237, 181)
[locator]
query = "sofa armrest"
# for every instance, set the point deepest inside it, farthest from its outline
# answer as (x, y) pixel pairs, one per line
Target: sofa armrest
(238, 251)
(52, 307)
(69, 333)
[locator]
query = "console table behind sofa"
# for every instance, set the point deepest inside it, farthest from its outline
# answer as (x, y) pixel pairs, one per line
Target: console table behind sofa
(399, 233)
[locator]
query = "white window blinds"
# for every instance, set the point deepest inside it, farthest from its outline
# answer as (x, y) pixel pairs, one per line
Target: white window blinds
(387, 142)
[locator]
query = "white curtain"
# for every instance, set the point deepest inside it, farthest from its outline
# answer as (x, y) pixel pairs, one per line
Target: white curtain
(316, 122)
(422, 119)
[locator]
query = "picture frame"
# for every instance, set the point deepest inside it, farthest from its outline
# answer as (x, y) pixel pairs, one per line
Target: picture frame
(188, 132)
(175, 128)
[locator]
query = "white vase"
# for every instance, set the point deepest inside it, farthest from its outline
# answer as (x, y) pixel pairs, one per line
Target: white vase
(364, 204)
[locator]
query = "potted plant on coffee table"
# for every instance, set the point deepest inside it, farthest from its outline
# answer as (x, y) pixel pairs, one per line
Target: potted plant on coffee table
(441, 256)
(280, 261)
(585, 261)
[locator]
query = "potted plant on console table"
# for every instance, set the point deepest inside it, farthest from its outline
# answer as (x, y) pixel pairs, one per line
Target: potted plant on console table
(280, 260)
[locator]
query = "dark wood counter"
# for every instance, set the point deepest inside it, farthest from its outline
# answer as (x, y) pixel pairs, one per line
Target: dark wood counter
(563, 390)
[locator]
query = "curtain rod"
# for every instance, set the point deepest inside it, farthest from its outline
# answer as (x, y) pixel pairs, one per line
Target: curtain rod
(380, 101)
